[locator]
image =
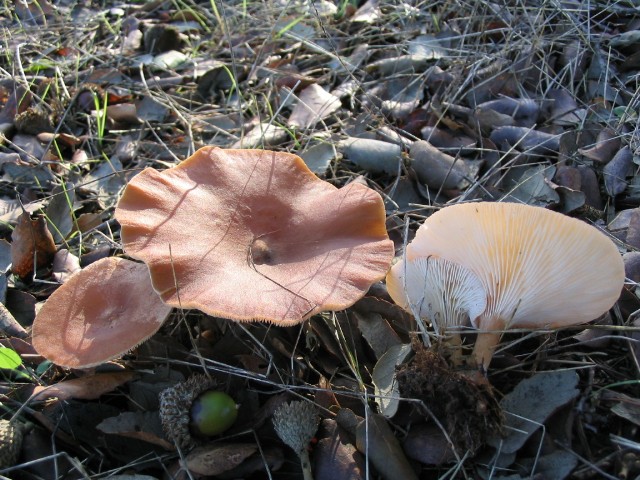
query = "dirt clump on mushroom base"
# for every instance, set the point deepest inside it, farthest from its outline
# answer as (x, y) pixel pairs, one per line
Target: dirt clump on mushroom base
(468, 410)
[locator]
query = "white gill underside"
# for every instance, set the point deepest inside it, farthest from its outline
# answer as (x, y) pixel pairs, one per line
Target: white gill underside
(445, 293)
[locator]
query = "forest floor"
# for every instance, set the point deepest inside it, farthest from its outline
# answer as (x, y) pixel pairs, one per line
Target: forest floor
(427, 103)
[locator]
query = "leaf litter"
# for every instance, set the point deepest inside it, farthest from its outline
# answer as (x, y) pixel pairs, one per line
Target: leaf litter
(428, 104)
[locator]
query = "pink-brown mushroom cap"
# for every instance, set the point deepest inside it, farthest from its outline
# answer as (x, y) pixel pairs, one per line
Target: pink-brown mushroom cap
(254, 235)
(100, 313)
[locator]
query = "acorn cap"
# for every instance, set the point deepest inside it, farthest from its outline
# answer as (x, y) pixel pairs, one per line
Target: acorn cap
(296, 423)
(11, 435)
(175, 408)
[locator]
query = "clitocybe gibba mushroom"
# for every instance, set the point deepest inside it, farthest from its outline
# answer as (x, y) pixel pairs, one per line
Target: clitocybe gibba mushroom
(102, 312)
(254, 235)
(537, 268)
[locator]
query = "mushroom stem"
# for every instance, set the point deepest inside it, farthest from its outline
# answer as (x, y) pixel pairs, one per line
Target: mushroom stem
(453, 341)
(484, 348)
(305, 463)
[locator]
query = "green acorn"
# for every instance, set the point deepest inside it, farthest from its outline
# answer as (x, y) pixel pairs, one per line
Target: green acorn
(212, 413)
(191, 410)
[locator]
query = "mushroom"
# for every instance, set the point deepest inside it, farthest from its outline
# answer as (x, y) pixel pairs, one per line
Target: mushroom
(254, 235)
(538, 269)
(100, 313)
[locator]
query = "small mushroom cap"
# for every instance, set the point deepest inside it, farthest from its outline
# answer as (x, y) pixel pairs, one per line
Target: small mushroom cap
(254, 235)
(100, 313)
(539, 268)
(443, 292)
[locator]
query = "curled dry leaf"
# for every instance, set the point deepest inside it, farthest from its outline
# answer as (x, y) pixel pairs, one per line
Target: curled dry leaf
(376, 331)
(435, 168)
(140, 425)
(375, 439)
(11, 210)
(384, 378)
(84, 388)
(31, 245)
(532, 186)
(263, 135)
(9, 325)
(272, 242)
(123, 113)
(374, 156)
(568, 176)
(627, 223)
(318, 156)
(523, 110)
(564, 109)
(102, 312)
(487, 119)
(65, 264)
(335, 457)
(590, 186)
(427, 444)
(526, 139)
(632, 266)
(616, 171)
(607, 144)
(446, 141)
(60, 213)
(216, 459)
(314, 105)
(530, 404)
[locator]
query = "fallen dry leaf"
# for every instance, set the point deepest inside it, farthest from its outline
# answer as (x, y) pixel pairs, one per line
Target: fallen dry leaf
(617, 170)
(526, 140)
(607, 144)
(374, 156)
(9, 326)
(531, 403)
(144, 426)
(65, 264)
(384, 378)
(335, 456)
(123, 113)
(437, 169)
(31, 243)
(375, 439)
(377, 332)
(314, 105)
(84, 388)
(59, 212)
(216, 459)
(427, 444)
